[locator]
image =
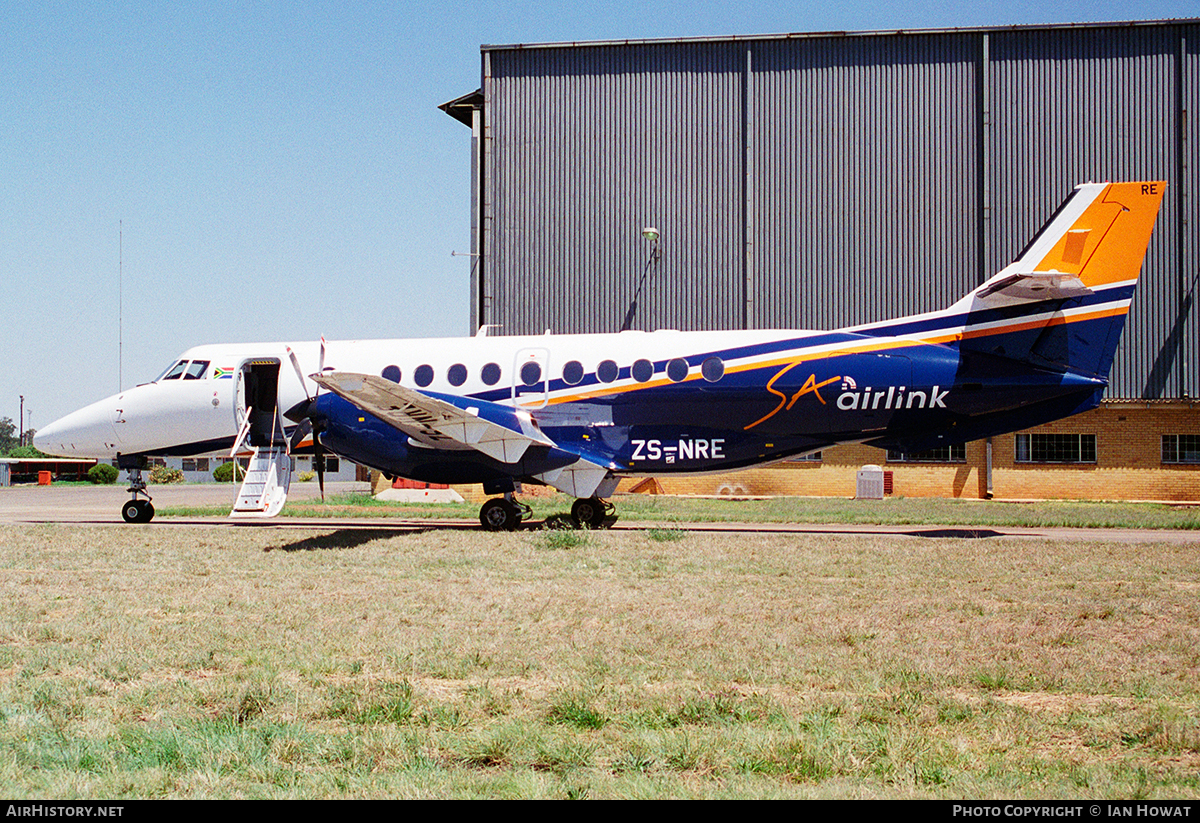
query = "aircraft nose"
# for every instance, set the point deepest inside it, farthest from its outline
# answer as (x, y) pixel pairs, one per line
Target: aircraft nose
(84, 433)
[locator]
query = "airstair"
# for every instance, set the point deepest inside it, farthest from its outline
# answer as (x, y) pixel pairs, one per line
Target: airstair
(265, 487)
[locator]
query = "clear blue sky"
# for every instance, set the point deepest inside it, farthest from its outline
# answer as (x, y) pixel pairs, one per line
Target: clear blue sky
(278, 171)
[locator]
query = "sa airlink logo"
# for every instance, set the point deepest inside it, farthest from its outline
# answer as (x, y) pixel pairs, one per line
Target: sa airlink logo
(889, 397)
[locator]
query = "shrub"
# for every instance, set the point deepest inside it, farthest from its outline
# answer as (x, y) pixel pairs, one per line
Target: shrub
(103, 474)
(224, 472)
(165, 474)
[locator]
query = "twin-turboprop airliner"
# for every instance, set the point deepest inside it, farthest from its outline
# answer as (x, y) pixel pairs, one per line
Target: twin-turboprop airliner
(577, 412)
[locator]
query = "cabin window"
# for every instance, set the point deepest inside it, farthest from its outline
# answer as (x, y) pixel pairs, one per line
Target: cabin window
(1056, 448)
(195, 370)
(531, 373)
(391, 373)
(943, 454)
(423, 375)
(713, 369)
(490, 374)
(642, 370)
(607, 371)
(677, 370)
(1181, 448)
(457, 374)
(573, 373)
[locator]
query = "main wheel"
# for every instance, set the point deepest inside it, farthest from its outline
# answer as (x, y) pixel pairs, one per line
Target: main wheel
(499, 514)
(588, 511)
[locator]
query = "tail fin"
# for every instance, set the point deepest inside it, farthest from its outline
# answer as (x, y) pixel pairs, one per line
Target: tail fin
(1062, 303)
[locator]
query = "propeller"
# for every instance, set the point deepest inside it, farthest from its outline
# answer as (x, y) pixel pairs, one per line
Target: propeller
(302, 414)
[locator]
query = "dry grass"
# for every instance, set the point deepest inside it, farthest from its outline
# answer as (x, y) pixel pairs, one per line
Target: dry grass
(216, 662)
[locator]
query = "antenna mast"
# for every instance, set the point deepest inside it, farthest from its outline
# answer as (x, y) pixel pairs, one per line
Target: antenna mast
(120, 302)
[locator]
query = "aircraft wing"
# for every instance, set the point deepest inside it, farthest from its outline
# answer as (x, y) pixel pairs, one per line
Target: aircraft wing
(435, 423)
(501, 432)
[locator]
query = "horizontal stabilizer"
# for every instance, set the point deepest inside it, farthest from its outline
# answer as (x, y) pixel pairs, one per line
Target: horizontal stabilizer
(1035, 285)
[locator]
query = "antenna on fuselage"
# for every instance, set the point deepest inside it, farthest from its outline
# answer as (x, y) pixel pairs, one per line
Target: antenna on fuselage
(649, 233)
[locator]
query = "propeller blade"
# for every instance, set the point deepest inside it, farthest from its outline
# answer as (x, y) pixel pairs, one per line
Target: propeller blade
(319, 459)
(299, 372)
(321, 362)
(302, 431)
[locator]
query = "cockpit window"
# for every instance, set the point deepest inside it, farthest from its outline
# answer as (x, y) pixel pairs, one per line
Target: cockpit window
(175, 371)
(196, 370)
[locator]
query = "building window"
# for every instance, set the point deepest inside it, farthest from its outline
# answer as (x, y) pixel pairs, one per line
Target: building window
(945, 454)
(1056, 448)
(815, 457)
(1181, 448)
(331, 464)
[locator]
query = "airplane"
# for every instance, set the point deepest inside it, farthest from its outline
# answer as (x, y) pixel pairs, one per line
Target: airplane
(578, 412)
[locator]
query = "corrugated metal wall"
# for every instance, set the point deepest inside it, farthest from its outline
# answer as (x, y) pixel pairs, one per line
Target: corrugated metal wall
(817, 182)
(585, 148)
(862, 178)
(1071, 105)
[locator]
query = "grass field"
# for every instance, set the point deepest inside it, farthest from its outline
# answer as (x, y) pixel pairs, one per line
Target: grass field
(215, 662)
(670, 509)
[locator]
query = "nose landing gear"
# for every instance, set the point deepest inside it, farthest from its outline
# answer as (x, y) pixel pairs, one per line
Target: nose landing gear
(137, 510)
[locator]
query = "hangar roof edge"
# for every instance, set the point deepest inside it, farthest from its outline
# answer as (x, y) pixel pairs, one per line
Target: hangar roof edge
(736, 38)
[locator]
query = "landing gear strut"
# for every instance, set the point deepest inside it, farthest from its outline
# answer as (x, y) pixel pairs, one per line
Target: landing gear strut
(591, 512)
(503, 513)
(137, 510)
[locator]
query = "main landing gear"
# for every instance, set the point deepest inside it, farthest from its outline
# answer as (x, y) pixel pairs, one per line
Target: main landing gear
(591, 512)
(505, 513)
(137, 510)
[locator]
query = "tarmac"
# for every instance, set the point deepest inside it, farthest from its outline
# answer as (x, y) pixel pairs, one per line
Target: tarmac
(101, 506)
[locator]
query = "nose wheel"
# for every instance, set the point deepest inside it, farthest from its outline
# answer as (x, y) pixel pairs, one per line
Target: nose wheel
(137, 510)
(503, 514)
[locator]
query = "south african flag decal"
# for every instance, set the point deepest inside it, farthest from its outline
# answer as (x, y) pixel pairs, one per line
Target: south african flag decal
(221, 374)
